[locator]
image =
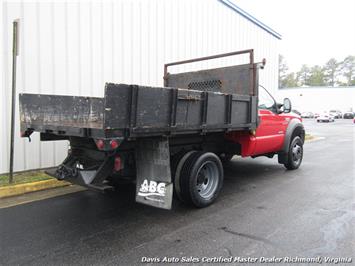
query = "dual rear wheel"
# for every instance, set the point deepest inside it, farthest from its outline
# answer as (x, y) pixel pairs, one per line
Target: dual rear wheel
(198, 178)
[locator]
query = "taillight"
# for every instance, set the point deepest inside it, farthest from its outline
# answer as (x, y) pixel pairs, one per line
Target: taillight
(118, 163)
(114, 144)
(100, 144)
(106, 144)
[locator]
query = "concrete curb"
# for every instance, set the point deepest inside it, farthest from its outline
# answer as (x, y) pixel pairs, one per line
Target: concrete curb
(9, 191)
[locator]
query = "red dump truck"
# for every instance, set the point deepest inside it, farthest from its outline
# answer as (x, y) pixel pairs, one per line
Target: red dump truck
(168, 140)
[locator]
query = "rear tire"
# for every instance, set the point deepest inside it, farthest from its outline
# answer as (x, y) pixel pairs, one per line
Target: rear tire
(200, 179)
(176, 167)
(295, 154)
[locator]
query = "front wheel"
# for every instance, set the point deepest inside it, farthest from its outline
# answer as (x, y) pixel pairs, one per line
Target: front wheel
(295, 154)
(200, 179)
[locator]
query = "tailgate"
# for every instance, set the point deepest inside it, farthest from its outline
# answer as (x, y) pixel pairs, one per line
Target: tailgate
(53, 112)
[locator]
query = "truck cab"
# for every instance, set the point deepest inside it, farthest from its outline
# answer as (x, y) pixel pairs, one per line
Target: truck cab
(277, 127)
(279, 132)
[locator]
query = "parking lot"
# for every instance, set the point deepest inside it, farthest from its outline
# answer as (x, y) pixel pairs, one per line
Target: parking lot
(263, 210)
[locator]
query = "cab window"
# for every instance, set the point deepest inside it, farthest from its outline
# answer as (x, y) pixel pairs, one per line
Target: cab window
(265, 100)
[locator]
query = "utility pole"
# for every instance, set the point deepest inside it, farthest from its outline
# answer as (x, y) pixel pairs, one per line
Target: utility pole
(13, 101)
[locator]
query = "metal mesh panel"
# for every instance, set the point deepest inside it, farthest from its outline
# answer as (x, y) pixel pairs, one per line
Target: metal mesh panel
(209, 85)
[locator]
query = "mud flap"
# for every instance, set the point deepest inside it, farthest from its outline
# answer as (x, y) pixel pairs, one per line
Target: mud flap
(154, 186)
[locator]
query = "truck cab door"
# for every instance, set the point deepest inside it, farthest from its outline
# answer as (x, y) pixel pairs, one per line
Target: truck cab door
(270, 133)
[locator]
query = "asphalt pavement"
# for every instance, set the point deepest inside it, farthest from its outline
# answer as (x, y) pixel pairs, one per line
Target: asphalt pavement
(263, 211)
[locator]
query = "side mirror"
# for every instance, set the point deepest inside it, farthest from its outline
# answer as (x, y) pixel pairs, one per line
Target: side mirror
(287, 105)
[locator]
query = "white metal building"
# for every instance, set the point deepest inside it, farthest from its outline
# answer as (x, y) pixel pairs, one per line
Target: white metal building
(73, 48)
(319, 99)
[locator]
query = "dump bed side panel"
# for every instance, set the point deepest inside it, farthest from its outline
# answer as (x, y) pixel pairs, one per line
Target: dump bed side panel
(144, 111)
(44, 112)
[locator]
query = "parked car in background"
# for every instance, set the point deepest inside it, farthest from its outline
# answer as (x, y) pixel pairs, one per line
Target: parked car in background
(325, 117)
(340, 114)
(296, 112)
(316, 115)
(336, 113)
(307, 115)
(348, 115)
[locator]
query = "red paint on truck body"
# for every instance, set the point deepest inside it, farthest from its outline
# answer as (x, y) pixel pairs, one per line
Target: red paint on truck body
(269, 136)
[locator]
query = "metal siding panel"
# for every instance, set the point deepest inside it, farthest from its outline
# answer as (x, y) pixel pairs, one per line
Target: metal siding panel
(144, 43)
(59, 64)
(4, 164)
(126, 43)
(136, 45)
(106, 39)
(81, 45)
(97, 52)
(73, 41)
(160, 47)
(153, 44)
(31, 83)
(20, 84)
(85, 48)
(45, 75)
(116, 43)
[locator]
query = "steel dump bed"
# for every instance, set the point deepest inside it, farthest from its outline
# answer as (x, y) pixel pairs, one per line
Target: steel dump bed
(212, 100)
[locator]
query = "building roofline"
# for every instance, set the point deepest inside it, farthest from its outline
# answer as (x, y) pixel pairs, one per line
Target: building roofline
(318, 88)
(249, 17)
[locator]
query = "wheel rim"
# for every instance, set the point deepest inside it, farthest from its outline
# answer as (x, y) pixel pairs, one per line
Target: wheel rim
(297, 153)
(207, 179)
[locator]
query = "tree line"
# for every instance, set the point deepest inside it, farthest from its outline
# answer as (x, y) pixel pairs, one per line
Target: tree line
(332, 73)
